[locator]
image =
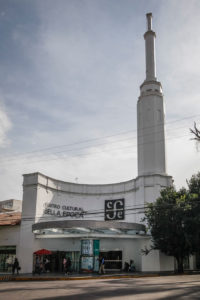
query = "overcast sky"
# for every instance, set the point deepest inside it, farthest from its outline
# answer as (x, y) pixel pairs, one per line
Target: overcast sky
(70, 72)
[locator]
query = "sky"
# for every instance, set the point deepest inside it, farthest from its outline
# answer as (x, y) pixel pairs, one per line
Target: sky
(70, 72)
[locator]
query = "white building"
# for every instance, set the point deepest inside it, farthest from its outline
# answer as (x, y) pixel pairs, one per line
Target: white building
(84, 221)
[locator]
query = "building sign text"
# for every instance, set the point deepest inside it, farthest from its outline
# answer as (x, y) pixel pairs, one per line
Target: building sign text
(57, 210)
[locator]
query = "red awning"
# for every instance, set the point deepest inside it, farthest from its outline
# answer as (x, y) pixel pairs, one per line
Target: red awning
(43, 252)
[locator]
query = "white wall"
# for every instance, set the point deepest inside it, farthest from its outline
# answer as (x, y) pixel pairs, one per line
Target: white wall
(150, 262)
(27, 239)
(155, 261)
(9, 235)
(58, 244)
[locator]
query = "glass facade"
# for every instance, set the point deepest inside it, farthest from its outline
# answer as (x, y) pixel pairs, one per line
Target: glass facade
(56, 261)
(7, 256)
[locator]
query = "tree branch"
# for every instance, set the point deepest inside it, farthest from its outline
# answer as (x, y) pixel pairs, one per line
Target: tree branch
(146, 251)
(195, 132)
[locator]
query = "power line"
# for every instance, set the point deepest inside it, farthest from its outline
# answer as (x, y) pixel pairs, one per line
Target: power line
(97, 152)
(90, 146)
(16, 156)
(82, 148)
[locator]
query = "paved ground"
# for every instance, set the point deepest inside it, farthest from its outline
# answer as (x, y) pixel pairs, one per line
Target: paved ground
(163, 287)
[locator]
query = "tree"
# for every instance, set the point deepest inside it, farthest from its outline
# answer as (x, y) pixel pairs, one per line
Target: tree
(194, 217)
(196, 132)
(171, 220)
(194, 184)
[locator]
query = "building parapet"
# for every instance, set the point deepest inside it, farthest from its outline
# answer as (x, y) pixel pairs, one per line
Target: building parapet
(46, 182)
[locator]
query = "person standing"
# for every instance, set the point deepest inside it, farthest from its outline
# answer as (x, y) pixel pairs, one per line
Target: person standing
(64, 264)
(47, 265)
(15, 266)
(68, 265)
(101, 265)
(37, 265)
(126, 266)
(132, 266)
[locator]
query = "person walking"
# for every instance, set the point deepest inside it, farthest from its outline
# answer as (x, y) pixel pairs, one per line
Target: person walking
(15, 266)
(101, 265)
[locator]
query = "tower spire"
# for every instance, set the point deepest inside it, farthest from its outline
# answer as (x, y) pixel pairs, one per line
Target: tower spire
(150, 114)
(149, 37)
(149, 21)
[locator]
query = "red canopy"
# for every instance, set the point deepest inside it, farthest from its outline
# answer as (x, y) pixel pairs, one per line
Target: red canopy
(43, 252)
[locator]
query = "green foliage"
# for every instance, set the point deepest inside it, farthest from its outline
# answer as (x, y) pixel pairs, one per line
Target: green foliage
(174, 221)
(194, 184)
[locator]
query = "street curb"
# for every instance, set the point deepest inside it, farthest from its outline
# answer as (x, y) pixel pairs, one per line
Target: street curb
(11, 278)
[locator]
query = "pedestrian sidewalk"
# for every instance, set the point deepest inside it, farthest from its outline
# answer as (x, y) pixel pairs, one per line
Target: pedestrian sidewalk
(73, 276)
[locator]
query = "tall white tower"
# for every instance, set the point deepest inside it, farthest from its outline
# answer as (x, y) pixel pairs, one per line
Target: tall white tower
(150, 114)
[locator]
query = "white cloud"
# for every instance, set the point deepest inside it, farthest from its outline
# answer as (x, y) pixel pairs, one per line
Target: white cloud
(5, 126)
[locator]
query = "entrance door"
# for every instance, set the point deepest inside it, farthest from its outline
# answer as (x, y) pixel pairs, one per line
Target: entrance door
(113, 260)
(56, 260)
(75, 259)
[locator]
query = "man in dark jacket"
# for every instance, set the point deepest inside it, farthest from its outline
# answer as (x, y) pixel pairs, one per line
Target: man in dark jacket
(15, 266)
